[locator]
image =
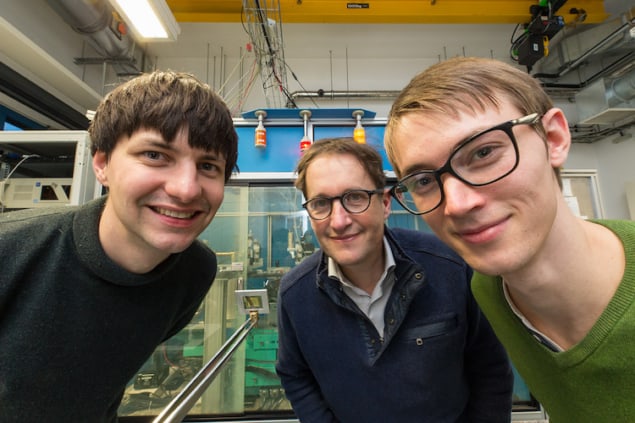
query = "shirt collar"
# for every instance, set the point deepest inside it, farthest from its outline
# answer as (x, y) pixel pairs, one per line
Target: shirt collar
(335, 272)
(541, 337)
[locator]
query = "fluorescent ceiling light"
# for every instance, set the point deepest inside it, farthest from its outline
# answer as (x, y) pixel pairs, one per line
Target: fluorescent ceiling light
(150, 20)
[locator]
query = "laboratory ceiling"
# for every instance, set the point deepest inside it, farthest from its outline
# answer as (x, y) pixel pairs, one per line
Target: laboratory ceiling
(383, 11)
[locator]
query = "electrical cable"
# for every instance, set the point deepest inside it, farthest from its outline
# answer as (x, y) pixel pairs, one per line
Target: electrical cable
(300, 84)
(266, 38)
(167, 359)
(515, 42)
(24, 157)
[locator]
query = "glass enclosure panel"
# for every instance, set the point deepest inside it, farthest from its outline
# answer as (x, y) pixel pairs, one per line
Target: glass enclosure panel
(260, 233)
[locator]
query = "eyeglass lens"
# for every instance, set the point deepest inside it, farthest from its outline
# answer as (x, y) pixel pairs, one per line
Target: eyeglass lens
(356, 201)
(479, 161)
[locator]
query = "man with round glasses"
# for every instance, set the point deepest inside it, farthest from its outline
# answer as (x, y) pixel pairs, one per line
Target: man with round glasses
(379, 325)
(477, 145)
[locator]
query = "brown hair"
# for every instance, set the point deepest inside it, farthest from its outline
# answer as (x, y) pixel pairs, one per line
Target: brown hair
(166, 101)
(367, 156)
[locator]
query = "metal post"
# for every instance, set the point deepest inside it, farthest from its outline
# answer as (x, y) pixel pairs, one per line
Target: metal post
(178, 408)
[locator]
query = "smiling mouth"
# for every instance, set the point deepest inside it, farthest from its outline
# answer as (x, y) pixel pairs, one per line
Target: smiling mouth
(483, 233)
(175, 214)
(343, 237)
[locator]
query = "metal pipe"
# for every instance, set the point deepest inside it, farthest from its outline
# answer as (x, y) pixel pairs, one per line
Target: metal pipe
(94, 21)
(599, 46)
(178, 408)
(329, 95)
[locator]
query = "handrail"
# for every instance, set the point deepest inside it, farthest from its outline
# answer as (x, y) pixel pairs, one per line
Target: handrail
(178, 408)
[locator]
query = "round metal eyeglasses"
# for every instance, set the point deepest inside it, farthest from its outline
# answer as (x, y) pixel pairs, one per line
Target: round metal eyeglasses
(354, 201)
(482, 159)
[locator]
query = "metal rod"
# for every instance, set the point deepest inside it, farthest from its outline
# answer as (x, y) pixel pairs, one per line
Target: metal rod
(178, 408)
(329, 95)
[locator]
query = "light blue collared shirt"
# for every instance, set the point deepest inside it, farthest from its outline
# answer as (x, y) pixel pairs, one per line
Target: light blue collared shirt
(372, 305)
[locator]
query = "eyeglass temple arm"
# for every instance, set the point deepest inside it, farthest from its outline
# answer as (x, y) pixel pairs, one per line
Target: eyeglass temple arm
(529, 119)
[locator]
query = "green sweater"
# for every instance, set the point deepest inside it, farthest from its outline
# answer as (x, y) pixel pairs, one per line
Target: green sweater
(595, 380)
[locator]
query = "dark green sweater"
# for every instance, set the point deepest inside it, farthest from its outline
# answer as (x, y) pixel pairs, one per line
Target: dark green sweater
(74, 326)
(593, 382)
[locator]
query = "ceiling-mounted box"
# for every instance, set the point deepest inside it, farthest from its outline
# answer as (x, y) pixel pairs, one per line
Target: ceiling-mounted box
(606, 101)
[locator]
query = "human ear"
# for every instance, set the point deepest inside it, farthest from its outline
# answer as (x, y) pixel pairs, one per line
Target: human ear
(100, 164)
(386, 201)
(558, 137)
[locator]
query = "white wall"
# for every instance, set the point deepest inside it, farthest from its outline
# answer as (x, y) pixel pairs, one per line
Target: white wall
(336, 57)
(614, 163)
(614, 170)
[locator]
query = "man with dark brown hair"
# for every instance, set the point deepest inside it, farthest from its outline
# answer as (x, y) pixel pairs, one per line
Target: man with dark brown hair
(87, 293)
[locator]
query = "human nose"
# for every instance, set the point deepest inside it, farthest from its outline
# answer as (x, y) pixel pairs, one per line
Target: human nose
(183, 183)
(459, 197)
(339, 217)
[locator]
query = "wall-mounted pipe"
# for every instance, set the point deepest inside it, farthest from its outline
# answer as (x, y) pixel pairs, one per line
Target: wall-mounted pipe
(95, 21)
(332, 95)
(619, 37)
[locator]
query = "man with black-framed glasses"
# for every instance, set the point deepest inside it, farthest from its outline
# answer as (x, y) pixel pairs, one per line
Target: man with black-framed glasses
(380, 325)
(477, 145)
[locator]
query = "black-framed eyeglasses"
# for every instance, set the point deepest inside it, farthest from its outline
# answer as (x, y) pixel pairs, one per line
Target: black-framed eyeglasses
(482, 159)
(354, 201)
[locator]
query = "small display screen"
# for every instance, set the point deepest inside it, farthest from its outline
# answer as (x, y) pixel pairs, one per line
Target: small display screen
(252, 301)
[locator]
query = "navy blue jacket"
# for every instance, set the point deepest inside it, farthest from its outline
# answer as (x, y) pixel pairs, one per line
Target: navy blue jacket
(439, 360)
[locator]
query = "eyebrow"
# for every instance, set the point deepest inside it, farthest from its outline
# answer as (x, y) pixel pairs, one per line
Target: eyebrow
(419, 168)
(341, 193)
(414, 168)
(215, 156)
(208, 155)
(156, 141)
